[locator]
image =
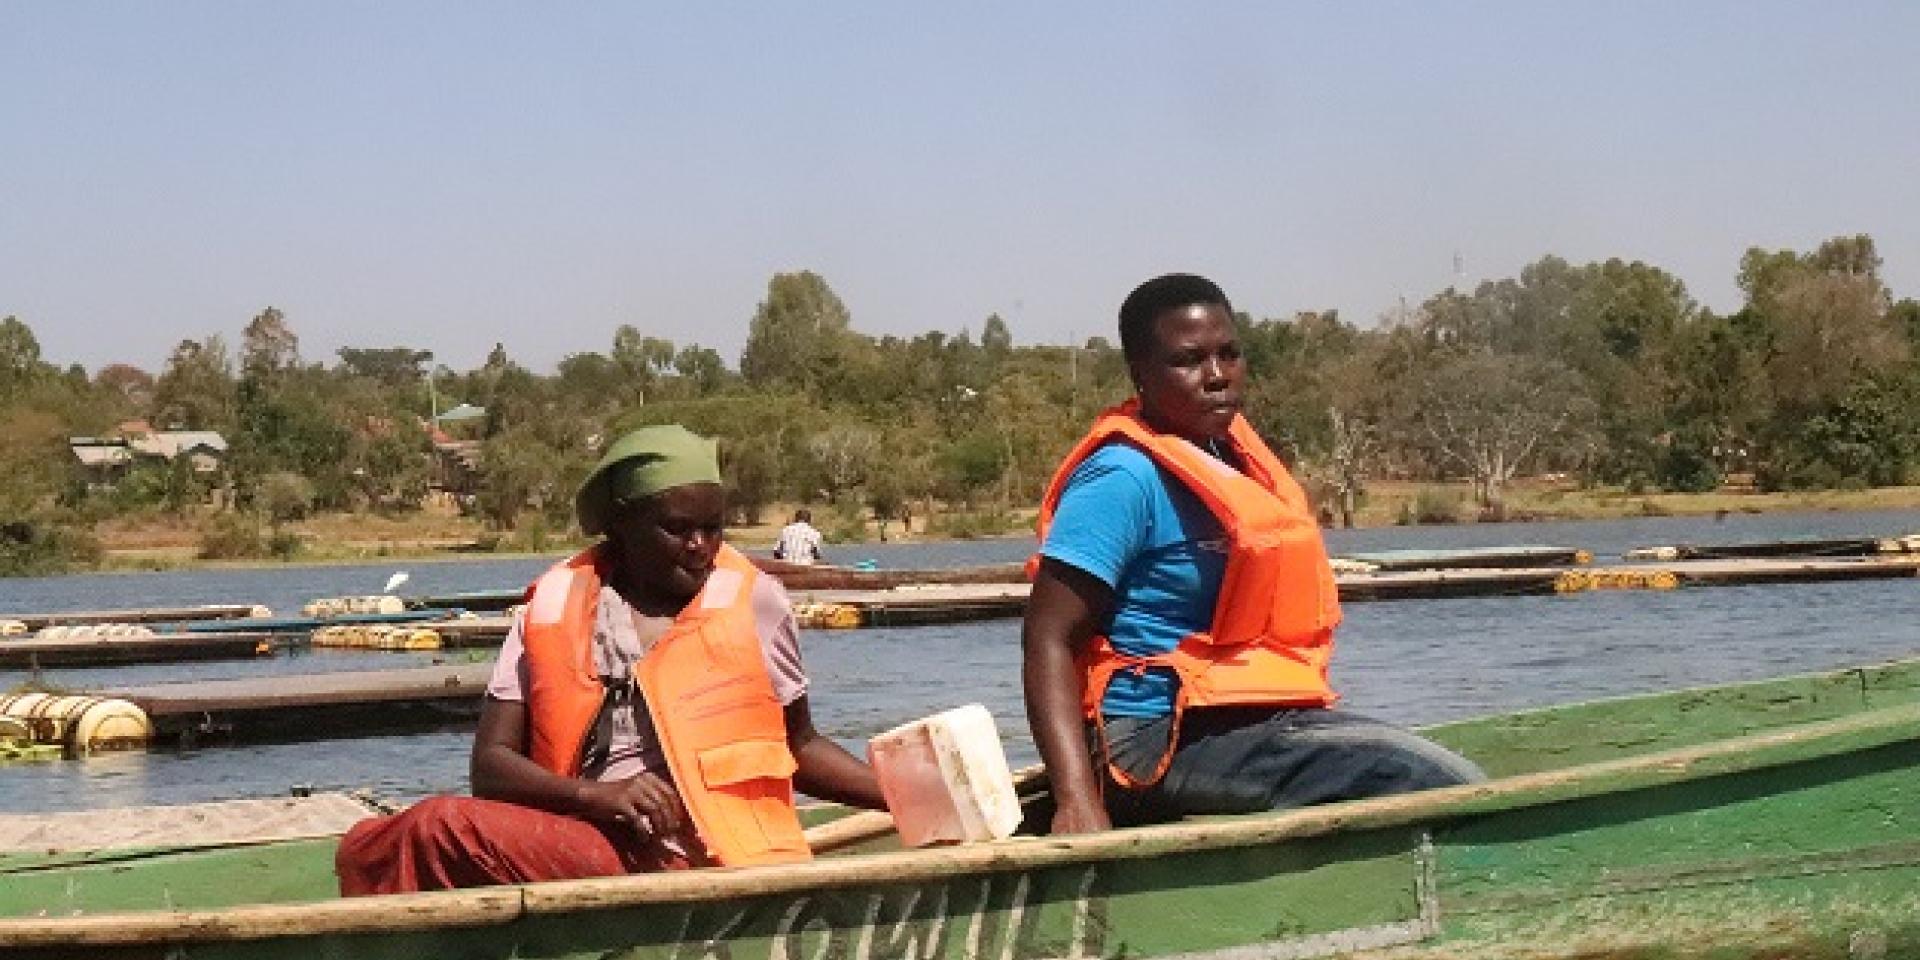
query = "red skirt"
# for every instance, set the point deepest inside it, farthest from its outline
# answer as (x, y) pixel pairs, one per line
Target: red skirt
(446, 842)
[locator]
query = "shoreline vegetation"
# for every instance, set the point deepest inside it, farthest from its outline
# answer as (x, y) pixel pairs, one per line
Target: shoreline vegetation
(1567, 391)
(174, 542)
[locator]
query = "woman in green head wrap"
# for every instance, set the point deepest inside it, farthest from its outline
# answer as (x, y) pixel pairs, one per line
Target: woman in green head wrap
(657, 498)
(618, 685)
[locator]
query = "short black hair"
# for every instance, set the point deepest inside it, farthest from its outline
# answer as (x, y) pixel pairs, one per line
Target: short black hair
(1149, 300)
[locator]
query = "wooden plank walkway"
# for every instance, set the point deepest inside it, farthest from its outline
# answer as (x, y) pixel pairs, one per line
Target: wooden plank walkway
(914, 606)
(1444, 584)
(472, 632)
(212, 611)
(1700, 573)
(1845, 547)
(1471, 558)
(311, 706)
(32, 654)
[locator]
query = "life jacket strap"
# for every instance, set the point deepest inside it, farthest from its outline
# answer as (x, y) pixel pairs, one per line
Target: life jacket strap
(1105, 661)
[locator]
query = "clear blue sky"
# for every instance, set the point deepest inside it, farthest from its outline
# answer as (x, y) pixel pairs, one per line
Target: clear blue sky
(445, 176)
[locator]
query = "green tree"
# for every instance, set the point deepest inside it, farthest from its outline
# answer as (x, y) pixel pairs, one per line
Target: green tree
(1830, 343)
(1905, 315)
(393, 366)
(1830, 330)
(268, 347)
(391, 466)
(35, 468)
(285, 497)
(196, 390)
(513, 470)
(701, 369)
(1720, 397)
(795, 333)
(749, 467)
(592, 382)
(20, 364)
(843, 456)
(127, 387)
(642, 361)
(970, 466)
(996, 341)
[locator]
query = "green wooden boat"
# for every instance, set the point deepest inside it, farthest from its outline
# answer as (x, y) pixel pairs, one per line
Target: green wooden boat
(1770, 819)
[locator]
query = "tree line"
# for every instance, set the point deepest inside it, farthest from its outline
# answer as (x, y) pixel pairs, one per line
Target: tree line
(1608, 372)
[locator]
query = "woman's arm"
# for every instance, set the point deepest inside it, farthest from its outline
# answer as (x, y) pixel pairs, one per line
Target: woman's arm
(826, 770)
(1066, 607)
(501, 770)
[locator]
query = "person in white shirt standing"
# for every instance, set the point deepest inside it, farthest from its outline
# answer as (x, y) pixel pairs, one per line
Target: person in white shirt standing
(799, 542)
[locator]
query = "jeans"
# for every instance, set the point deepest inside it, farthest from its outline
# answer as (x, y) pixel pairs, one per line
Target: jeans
(1250, 759)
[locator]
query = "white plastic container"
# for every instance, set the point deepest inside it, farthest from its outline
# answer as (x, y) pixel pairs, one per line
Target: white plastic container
(945, 778)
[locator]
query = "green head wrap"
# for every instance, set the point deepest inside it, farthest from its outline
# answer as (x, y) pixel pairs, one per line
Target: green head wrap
(641, 464)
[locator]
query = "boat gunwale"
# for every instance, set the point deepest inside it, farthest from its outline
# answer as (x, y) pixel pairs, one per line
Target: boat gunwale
(486, 906)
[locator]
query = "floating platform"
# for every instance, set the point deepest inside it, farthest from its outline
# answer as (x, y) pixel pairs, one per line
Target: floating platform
(794, 576)
(1845, 547)
(1435, 585)
(821, 576)
(212, 611)
(1475, 558)
(965, 603)
(477, 601)
(909, 606)
(30, 654)
(828, 610)
(318, 706)
(305, 624)
(310, 706)
(472, 632)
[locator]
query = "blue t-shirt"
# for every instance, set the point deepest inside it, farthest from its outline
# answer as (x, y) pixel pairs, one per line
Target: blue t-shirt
(1140, 531)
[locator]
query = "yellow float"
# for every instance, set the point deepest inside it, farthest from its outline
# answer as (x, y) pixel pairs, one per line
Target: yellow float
(79, 724)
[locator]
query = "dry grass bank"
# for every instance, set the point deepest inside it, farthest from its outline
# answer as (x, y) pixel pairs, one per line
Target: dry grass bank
(1535, 499)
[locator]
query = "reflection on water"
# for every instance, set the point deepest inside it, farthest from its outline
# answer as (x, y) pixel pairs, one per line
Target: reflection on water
(1413, 662)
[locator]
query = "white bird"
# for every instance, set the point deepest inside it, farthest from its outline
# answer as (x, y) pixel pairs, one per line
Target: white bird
(395, 580)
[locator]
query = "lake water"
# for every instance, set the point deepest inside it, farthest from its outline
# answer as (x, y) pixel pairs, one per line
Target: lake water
(1412, 662)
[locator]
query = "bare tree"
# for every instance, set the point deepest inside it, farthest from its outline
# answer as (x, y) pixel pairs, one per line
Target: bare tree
(845, 455)
(1489, 414)
(1355, 446)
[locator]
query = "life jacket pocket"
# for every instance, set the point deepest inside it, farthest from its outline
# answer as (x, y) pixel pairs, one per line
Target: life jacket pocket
(732, 763)
(750, 797)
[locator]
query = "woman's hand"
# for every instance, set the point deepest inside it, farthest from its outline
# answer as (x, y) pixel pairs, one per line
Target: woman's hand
(646, 803)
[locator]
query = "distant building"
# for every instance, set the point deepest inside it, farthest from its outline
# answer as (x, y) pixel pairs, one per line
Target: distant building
(456, 464)
(204, 449)
(105, 460)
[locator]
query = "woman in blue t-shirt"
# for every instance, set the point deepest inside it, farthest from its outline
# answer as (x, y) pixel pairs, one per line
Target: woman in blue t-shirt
(1134, 556)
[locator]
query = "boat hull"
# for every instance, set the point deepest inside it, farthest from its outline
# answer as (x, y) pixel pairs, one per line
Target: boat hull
(1769, 819)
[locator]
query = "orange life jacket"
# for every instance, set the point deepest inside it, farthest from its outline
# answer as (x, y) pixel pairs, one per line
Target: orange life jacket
(1272, 629)
(705, 682)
